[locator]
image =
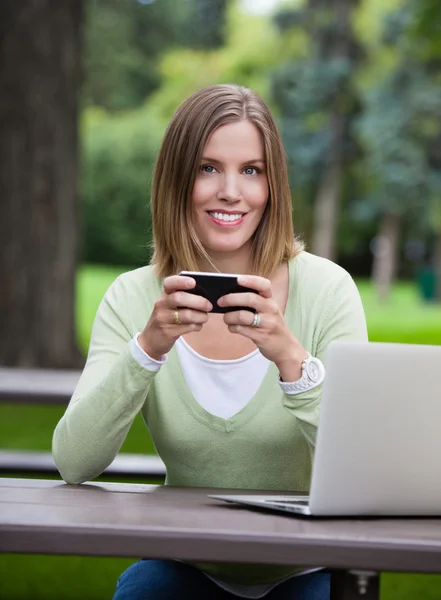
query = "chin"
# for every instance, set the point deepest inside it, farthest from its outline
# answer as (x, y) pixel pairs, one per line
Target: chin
(226, 246)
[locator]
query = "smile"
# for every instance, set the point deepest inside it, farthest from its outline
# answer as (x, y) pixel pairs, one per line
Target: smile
(226, 218)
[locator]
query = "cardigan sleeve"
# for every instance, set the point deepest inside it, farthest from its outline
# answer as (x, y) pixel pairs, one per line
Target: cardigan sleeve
(110, 393)
(343, 319)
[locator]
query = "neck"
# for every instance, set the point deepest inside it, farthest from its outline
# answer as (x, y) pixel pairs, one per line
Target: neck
(227, 262)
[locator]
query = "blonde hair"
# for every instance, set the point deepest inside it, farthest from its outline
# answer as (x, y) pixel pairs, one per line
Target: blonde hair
(176, 245)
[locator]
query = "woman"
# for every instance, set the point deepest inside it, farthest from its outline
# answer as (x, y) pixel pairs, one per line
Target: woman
(227, 397)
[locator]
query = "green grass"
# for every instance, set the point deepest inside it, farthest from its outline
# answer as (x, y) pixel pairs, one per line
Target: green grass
(405, 318)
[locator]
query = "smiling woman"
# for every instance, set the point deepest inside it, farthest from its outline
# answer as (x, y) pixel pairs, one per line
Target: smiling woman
(230, 195)
(227, 396)
(222, 153)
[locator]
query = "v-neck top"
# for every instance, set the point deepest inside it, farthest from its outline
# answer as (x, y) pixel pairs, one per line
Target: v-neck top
(268, 444)
(222, 387)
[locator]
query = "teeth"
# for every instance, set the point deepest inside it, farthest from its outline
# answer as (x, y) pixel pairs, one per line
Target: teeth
(224, 217)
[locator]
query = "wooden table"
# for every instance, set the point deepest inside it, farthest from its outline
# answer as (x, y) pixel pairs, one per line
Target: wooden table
(128, 520)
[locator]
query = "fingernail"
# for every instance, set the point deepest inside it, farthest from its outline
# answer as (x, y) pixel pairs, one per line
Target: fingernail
(210, 306)
(189, 283)
(220, 302)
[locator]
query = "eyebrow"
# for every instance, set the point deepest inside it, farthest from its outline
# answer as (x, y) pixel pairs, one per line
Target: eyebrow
(247, 162)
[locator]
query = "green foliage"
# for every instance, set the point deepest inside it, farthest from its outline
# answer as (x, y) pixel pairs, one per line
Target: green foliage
(303, 91)
(206, 23)
(313, 91)
(123, 43)
(400, 119)
(426, 28)
(434, 212)
(125, 40)
(252, 49)
(119, 153)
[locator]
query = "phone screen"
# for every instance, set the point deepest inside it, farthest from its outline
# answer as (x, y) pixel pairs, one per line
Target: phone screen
(214, 285)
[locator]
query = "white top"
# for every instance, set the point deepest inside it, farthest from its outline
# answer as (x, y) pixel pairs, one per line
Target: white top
(232, 384)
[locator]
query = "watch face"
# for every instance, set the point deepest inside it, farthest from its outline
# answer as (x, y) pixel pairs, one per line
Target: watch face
(313, 371)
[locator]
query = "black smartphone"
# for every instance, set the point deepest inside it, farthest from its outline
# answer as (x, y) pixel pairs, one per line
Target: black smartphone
(214, 285)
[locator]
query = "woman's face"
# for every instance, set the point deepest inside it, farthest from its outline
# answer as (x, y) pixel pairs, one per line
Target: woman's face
(231, 190)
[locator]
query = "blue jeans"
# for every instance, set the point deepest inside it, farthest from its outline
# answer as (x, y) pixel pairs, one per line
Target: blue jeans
(170, 580)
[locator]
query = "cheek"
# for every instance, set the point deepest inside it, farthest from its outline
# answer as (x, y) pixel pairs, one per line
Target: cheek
(258, 195)
(202, 191)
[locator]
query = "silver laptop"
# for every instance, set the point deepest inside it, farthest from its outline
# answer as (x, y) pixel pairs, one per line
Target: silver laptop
(378, 450)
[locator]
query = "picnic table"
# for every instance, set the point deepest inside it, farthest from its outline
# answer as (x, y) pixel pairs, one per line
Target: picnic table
(55, 387)
(133, 520)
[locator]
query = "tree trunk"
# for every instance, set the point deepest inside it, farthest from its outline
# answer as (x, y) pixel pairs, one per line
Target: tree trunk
(385, 250)
(327, 203)
(39, 81)
(437, 266)
(328, 199)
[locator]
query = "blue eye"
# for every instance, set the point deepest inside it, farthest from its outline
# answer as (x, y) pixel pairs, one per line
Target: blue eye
(208, 169)
(251, 171)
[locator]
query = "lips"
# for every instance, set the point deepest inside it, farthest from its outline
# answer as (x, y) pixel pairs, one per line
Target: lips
(226, 219)
(223, 215)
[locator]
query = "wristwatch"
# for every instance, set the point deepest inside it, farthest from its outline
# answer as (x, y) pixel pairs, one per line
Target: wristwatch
(313, 375)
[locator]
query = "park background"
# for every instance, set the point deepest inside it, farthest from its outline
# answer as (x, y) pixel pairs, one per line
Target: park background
(88, 87)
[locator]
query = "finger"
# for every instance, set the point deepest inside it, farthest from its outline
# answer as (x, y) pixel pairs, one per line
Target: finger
(186, 328)
(249, 332)
(245, 299)
(260, 284)
(187, 317)
(184, 300)
(240, 317)
(178, 282)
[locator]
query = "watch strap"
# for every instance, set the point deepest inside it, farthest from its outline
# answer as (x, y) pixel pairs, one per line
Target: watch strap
(313, 374)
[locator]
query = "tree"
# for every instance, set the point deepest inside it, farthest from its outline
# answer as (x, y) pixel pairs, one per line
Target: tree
(125, 40)
(317, 100)
(39, 78)
(426, 29)
(206, 23)
(427, 35)
(435, 216)
(398, 126)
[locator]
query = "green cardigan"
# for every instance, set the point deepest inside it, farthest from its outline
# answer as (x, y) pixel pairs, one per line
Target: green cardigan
(269, 444)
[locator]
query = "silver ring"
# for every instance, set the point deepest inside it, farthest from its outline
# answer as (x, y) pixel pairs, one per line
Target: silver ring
(256, 320)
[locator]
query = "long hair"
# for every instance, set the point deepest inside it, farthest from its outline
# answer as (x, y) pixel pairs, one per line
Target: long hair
(176, 245)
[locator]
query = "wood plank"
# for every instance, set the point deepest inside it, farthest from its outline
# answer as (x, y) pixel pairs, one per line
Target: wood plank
(37, 385)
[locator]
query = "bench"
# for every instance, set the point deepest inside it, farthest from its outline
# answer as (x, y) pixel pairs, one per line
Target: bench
(46, 386)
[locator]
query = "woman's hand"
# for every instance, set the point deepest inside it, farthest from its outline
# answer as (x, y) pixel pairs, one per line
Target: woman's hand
(272, 335)
(168, 322)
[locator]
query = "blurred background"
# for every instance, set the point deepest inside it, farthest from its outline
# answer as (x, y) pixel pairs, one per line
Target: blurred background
(87, 89)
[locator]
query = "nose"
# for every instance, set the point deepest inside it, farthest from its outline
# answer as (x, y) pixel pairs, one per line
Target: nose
(229, 190)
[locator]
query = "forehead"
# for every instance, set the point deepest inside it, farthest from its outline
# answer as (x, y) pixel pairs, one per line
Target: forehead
(236, 141)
